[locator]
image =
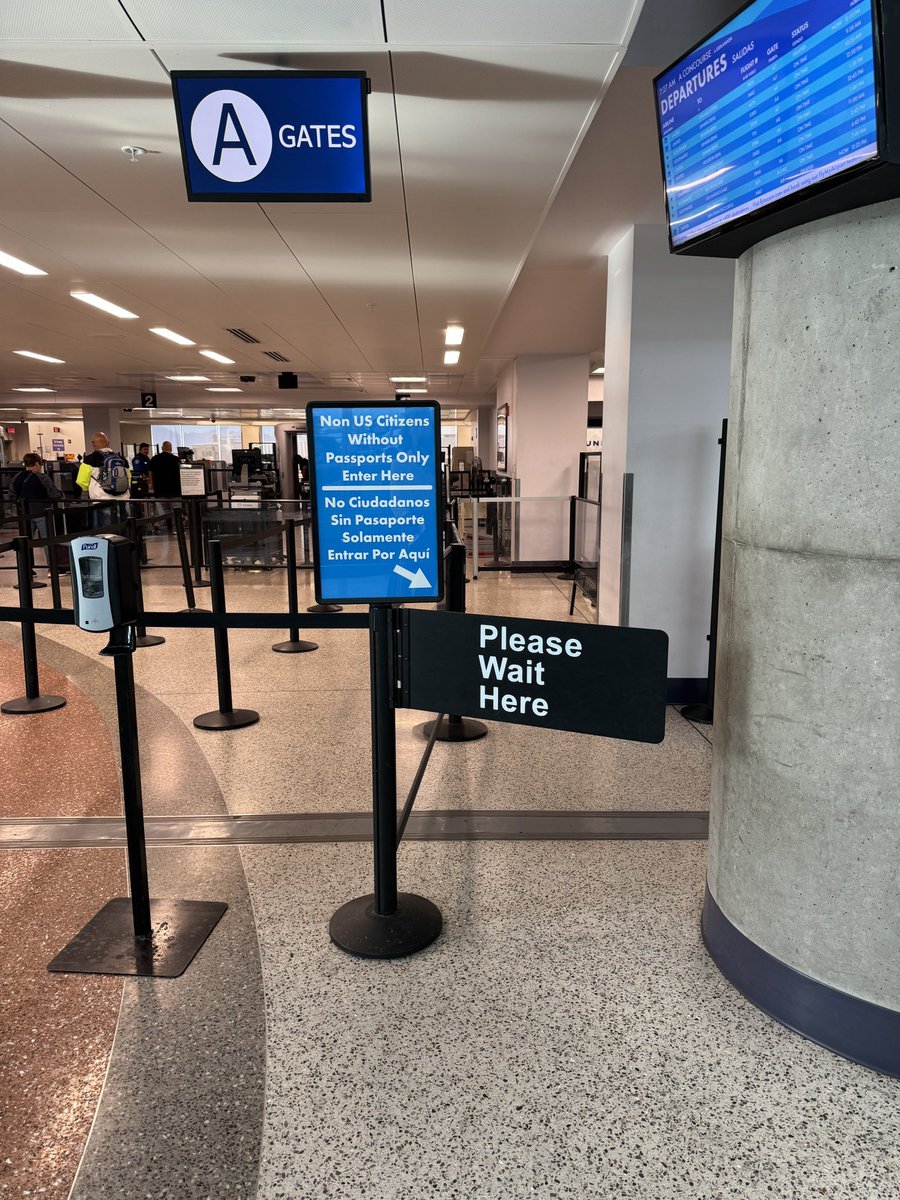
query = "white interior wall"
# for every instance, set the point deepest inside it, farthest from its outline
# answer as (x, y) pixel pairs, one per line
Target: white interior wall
(667, 390)
(615, 424)
(549, 422)
(40, 433)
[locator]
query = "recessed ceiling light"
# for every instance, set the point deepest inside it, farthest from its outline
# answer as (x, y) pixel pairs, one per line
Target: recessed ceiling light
(189, 378)
(107, 306)
(451, 358)
(453, 335)
(171, 336)
(45, 414)
(599, 371)
(415, 391)
(223, 389)
(407, 378)
(39, 357)
(34, 389)
(216, 357)
(18, 264)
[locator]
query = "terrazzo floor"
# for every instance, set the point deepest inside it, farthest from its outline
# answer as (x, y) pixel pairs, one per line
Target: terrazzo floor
(566, 1036)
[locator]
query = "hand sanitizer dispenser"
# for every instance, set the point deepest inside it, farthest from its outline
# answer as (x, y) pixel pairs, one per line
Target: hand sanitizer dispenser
(104, 583)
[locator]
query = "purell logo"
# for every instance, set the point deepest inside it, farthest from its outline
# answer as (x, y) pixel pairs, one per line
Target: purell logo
(231, 135)
(89, 546)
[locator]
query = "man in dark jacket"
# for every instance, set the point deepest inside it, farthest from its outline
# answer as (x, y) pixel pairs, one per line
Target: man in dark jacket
(36, 491)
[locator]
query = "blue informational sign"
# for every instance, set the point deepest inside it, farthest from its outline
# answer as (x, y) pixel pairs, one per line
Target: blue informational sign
(780, 99)
(375, 475)
(274, 135)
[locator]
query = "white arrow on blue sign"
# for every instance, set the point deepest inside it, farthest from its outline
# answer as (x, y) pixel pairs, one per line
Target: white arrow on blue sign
(375, 478)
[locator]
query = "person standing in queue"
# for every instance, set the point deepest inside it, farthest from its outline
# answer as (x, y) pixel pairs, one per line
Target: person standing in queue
(104, 475)
(165, 480)
(140, 472)
(36, 492)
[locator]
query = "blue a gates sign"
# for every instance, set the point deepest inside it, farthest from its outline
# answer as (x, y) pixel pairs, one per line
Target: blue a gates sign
(274, 135)
(377, 502)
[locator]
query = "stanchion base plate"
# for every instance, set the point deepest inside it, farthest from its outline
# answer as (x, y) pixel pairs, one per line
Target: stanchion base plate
(107, 945)
(295, 647)
(358, 929)
(199, 583)
(149, 639)
(34, 584)
(38, 705)
(465, 730)
(700, 713)
(236, 719)
(325, 608)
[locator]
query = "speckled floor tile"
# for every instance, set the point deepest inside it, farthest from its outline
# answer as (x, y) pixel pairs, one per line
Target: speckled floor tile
(567, 1036)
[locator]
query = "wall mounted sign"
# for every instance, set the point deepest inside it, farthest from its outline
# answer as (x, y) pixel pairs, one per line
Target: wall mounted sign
(375, 482)
(274, 135)
(148, 399)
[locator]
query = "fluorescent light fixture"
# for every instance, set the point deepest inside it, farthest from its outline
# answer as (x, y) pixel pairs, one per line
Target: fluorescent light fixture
(39, 357)
(34, 389)
(453, 335)
(18, 264)
(45, 414)
(216, 357)
(415, 391)
(171, 336)
(599, 371)
(188, 378)
(107, 306)
(223, 389)
(407, 378)
(451, 358)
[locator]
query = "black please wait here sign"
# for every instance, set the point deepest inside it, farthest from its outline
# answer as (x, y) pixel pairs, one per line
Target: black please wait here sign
(595, 679)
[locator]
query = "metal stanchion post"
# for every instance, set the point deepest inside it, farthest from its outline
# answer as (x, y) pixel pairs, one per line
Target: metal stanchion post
(569, 572)
(52, 531)
(142, 638)
(132, 795)
(32, 701)
(226, 716)
(195, 531)
(294, 645)
(454, 728)
(189, 596)
(384, 924)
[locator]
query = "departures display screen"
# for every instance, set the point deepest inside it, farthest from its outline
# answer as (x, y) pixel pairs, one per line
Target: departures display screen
(778, 100)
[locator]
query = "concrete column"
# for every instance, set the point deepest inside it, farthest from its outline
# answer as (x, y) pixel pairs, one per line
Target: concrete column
(107, 420)
(668, 352)
(548, 398)
(803, 911)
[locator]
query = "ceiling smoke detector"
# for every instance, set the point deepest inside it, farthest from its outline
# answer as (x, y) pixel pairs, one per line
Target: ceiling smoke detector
(134, 152)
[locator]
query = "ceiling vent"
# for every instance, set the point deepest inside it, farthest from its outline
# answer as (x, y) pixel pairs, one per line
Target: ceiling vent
(273, 354)
(244, 336)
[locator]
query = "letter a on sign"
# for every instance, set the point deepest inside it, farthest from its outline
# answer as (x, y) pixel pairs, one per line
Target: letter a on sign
(239, 142)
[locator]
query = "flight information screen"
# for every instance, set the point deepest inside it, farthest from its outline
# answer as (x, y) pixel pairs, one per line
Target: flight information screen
(776, 101)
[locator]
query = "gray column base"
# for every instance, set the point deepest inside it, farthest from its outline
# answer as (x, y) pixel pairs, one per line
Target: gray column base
(856, 1029)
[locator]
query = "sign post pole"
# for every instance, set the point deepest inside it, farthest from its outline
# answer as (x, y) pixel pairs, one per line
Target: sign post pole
(386, 923)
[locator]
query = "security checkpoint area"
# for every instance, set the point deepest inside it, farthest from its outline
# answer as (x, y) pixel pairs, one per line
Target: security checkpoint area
(440, 755)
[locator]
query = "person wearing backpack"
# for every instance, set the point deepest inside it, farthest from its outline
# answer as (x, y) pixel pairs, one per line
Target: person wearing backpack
(104, 475)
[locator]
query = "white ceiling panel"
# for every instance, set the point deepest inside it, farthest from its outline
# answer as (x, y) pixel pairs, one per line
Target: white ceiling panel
(267, 21)
(86, 21)
(505, 21)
